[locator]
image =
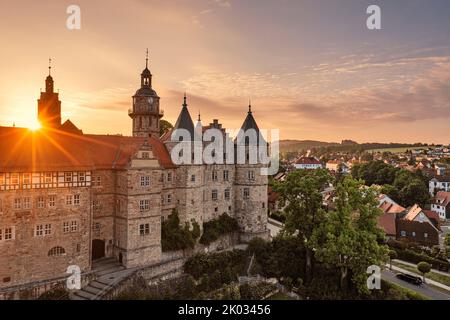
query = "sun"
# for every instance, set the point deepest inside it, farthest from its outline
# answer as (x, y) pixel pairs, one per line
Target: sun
(35, 126)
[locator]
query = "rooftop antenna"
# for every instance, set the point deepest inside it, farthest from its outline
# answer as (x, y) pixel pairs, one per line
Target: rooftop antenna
(146, 58)
(49, 66)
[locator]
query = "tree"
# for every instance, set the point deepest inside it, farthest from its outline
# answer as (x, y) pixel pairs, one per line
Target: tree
(392, 255)
(424, 268)
(164, 126)
(302, 201)
(349, 240)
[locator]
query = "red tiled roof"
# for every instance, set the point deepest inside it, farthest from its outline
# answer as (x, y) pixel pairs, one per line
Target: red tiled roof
(272, 196)
(24, 150)
(388, 207)
(307, 160)
(413, 212)
(387, 223)
(434, 218)
(442, 198)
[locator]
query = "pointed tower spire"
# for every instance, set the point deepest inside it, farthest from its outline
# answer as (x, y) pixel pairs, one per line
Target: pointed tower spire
(199, 116)
(184, 100)
(249, 106)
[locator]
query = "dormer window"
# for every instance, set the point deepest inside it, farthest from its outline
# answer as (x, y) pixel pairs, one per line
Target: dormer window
(145, 155)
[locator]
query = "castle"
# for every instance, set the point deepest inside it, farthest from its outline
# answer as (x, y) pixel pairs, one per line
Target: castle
(68, 198)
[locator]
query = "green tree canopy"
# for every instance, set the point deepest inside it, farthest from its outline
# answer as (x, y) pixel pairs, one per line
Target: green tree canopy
(300, 195)
(349, 240)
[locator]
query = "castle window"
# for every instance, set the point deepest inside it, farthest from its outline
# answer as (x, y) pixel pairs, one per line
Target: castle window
(73, 226)
(145, 181)
(68, 176)
(56, 252)
(26, 178)
(214, 176)
(216, 209)
(145, 155)
(14, 178)
(48, 229)
(76, 199)
(144, 205)
(214, 194)
(1, 206)
(2, 179)
(193, 178)
(51, 201)
(40, 202)
(78, 248)
(69, 200)
(7, 234)
(98, 181)
(169, 176)
(66, 227)
(39, 231)
(144, 229)
(263, 205)
(48, 178)
(246, 193)
(81, 177)
(251, 175)
(227, 194)
(26, 203)
(425, 235)
(169, 198)
(225, 175)
(17, 203)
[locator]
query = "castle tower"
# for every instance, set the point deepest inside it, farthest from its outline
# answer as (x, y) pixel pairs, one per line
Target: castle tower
(49, 106)
(145, 112)
(250, 186)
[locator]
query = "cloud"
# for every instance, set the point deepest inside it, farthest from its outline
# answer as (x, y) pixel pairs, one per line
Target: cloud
(223, 3)
(427, 97)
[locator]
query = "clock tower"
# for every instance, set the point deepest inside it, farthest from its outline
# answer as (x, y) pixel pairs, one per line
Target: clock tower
(145, 112)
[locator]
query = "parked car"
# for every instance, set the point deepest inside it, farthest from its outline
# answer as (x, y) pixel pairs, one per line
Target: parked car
(409, 278)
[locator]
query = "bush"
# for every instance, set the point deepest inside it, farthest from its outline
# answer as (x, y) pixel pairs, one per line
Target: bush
(55, 294)
(213, 229)
(255, 291)
(174, 237)
(206, 264)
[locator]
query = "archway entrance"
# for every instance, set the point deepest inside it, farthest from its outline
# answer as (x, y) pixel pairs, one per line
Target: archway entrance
(98, 249)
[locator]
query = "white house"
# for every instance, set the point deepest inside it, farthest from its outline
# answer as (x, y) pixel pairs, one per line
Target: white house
(441, 205)
(308, 163)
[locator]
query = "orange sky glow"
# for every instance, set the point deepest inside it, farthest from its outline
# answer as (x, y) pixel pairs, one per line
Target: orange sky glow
(311, 75)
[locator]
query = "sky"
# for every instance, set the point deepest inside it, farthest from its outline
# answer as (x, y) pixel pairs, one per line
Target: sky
(311, 68)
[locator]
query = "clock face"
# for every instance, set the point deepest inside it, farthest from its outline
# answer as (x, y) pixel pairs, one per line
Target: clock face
(150, 100)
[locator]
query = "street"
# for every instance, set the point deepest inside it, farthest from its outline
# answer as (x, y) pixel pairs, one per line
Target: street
(423, 289)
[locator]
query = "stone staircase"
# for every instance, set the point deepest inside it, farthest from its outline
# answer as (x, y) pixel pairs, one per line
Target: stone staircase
(109, 272)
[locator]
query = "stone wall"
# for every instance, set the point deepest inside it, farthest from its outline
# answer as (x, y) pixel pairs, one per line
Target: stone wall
(29, 256)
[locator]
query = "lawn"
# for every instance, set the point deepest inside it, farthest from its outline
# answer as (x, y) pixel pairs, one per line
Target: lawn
(431, 275)
(280, 296)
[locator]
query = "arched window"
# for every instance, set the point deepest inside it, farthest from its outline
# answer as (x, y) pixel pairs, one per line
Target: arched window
(56, 251)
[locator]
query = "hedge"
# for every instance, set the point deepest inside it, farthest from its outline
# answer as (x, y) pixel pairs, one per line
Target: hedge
(213, 229)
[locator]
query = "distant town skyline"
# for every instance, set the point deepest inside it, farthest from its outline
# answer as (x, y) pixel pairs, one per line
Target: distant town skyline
(311, 68)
